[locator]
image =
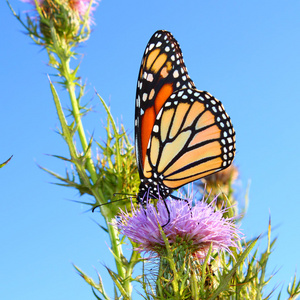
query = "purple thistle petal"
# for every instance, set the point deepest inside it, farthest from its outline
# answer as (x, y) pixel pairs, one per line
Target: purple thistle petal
(199, 224)
(81, 6)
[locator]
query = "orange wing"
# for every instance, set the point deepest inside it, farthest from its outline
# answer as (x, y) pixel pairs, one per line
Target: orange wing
(161, 74)
(192, 137)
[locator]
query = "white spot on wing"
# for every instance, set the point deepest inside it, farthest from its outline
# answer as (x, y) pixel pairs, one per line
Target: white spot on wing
(150, 77)
(155, 128)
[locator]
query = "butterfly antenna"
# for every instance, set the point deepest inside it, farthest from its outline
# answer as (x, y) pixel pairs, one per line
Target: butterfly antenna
(123, 194)
(93, 209)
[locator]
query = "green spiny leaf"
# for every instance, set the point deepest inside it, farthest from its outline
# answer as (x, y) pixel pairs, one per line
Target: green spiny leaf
(118, 282)
(227, 277)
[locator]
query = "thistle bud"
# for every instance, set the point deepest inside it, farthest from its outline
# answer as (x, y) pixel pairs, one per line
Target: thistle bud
(220, 184)
(61, 15)
(222, 178)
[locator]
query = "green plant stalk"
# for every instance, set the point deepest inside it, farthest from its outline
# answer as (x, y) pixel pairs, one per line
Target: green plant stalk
(63, 50)
(70, 84)
(114, 236)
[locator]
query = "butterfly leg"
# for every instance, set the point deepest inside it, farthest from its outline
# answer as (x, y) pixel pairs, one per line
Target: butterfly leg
(167, 208)
(180, 199)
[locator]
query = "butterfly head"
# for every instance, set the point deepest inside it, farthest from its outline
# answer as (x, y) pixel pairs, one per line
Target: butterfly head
(150, 189)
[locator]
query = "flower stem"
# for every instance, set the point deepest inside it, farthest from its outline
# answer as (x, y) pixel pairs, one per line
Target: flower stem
(70, 84)
(113, 233)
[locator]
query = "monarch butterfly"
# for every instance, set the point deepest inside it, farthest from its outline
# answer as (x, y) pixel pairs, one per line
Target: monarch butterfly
(181, 134)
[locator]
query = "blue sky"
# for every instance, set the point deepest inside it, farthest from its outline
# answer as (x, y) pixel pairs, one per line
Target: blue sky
(245, 53)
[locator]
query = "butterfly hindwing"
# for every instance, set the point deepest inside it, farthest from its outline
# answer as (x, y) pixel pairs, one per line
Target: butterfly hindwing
(192, 137)
(162, 73)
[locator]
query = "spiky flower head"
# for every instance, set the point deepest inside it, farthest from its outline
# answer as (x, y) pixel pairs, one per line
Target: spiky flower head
(81, 6)
(222, 183)
(222, 178)
(65, 16)
(199, 226)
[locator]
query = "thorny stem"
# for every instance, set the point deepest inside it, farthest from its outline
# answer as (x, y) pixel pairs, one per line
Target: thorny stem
(76, 114)
(113, 233)
(64, 53)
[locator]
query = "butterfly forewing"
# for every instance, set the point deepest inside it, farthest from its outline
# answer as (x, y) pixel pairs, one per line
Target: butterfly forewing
(161, 74)
(192, 137)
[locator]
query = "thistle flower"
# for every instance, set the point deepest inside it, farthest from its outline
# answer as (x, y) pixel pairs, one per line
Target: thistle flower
(66, 16)
(199, 226)
(222, 182)
(81, 6)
